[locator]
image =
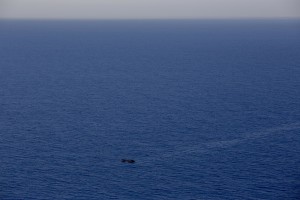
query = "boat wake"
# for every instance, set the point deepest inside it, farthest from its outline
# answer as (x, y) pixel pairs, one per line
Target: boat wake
(216, 145)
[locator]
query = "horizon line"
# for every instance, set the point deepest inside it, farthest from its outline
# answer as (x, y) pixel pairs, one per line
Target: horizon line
(149, 19)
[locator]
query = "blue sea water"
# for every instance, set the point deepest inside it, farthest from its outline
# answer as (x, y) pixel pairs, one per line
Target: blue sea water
(208, 109)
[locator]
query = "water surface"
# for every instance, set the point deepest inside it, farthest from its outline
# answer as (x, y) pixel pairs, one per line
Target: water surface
(208, 109)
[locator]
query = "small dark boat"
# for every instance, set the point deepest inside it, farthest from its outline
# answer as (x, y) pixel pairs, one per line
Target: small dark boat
(127, 161)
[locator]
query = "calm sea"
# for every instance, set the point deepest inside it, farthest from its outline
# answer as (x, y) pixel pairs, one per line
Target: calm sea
(207, 109)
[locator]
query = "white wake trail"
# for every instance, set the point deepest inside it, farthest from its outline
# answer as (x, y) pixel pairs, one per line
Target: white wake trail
(210, 146)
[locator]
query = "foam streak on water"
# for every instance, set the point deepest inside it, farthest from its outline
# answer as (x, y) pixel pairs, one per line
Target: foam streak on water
(210, 147)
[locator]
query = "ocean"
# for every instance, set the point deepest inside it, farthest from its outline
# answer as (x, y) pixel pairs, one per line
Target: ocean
(208, 109)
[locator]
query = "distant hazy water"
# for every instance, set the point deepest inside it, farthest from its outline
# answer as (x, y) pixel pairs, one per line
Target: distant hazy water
(208, 109)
